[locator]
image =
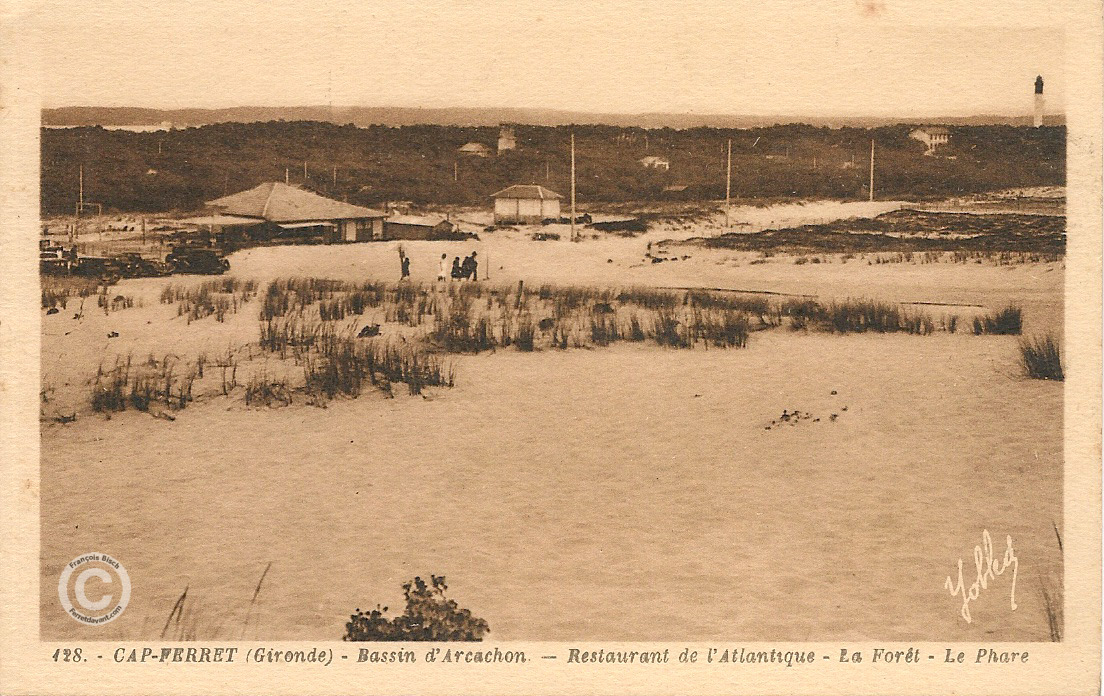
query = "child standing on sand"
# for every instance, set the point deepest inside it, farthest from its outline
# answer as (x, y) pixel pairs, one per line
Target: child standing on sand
(442, 268)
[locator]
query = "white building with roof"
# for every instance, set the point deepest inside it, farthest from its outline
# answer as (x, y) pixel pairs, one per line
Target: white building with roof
(932, 136)
(474, 150)
(653, 162)
(525, 204)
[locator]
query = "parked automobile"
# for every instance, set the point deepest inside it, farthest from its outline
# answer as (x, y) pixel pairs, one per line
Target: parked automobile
(106, 268)
(188, 259)
(136, 266)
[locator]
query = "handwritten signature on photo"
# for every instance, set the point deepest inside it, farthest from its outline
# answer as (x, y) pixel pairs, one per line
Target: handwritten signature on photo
(988, 568)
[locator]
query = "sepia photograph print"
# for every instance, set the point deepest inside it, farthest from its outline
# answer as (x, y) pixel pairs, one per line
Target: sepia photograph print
(613, 328)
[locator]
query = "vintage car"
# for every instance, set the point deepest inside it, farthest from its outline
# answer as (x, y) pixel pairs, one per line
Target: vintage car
(106, 268)
(135, 266)
(189, 259)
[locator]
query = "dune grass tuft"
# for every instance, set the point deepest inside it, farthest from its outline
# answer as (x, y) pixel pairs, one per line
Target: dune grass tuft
(1042, 358)
(1006, 322)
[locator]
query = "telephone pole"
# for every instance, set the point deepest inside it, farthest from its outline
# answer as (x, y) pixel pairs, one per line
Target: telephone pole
(573, 187)
(871, 169)
(728, 182)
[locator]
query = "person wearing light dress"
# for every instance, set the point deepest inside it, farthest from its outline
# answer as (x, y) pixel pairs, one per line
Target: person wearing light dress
(443, 268)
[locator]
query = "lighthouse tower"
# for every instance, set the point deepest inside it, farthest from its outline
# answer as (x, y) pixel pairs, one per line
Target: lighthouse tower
(1040, 103)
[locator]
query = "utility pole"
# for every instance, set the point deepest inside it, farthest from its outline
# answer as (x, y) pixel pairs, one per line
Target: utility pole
(304, 171)
(728, 182)
(573, 187)
(455, 171)
(335, 177)
(871, 169)
(287, 175)
(80, 203)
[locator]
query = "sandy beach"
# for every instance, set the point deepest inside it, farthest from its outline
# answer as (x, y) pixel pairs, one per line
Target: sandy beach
(622, 493)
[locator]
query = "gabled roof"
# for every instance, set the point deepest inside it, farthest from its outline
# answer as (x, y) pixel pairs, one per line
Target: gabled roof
(474, 147)
(526, 191)
(278, 202)
(932, 130)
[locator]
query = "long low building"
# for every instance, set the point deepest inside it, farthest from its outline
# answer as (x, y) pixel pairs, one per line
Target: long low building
(283, 210)
(417, 227)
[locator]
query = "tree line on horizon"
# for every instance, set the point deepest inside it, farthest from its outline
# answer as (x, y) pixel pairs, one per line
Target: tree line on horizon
(177, 170)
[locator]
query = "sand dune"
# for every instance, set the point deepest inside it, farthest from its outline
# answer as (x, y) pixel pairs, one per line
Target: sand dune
(628, 493)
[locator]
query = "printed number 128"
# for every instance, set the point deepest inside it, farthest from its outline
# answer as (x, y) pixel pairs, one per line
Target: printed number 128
(67, 655)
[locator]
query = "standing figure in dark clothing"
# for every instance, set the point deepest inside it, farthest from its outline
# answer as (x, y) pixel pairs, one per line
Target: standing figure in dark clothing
(405, 268)
(469, 268)
(456, 272)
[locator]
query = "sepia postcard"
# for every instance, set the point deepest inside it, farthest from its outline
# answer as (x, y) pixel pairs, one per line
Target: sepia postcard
(550, 347)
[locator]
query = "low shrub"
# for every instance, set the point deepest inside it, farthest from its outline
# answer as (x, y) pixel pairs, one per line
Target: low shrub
(429, 616)
(1042, 358)
(1006, 322)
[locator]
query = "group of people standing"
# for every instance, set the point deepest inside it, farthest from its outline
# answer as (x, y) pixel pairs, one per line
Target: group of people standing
(468, 269)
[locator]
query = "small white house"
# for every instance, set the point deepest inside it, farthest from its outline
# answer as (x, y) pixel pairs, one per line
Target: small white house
(525, 204)
(475, 150)
(932, 136)
(653, 162)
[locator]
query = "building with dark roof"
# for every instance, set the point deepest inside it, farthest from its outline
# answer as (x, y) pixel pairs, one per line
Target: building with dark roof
(417, 227)
(525, 204)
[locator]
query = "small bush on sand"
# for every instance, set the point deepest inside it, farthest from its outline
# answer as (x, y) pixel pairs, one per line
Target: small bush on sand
(141, 386)
(723, 329)
(429, 616)
(1006, 322)
(264, 390)
(461, 331)
(1042, 358)
(635, 331)
(526, 334)
(667, 331)
(346, 364)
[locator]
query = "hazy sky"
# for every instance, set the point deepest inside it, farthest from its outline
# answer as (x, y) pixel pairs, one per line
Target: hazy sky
(847, 57)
